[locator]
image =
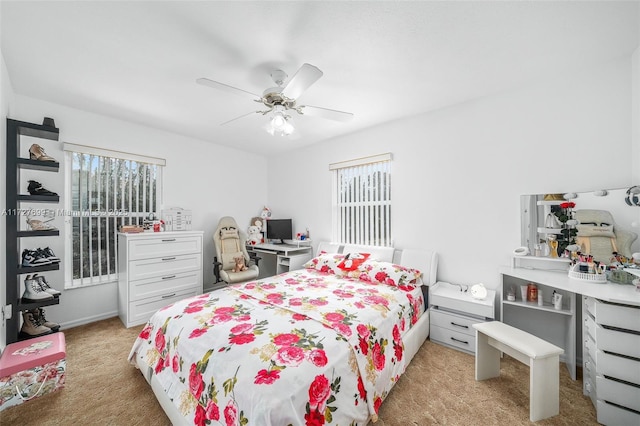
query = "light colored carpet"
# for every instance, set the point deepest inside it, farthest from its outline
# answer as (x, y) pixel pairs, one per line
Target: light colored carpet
(438, 388)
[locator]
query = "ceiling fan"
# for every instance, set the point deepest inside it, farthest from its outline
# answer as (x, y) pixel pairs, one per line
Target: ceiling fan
(280, 101)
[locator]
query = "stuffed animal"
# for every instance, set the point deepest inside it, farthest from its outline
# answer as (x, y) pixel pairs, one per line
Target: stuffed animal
(254, 237)
(265, 213)
(240, 266)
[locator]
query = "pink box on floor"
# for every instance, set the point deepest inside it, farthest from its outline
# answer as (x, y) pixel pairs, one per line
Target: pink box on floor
(32, 368)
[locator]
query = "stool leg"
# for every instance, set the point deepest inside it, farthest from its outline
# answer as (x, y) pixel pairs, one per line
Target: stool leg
(544, 388)
(487, 358)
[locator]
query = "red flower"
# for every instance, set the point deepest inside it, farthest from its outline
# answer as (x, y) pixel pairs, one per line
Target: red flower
(396, 333)
(363, 331)
(334, 317)
(364, 346)
(318, 302)
(314, 418)
(299, 317)
(159, 366)
(200, 416)
(242, 339)
(567, 205)
(241, 328)
(265, 377)
(290, 356)
(146, 332)
(341, 328)
(160, 342)
(319, 392)
(224, 310)
(376, 404)
(212, 410)
(381, 276)
(397, 350)
(318, 357)
(378, 356)
(220, 318)
(192, 309)
(361, 389)
(231, 414)
(286, 339)
(197, 332)
(176, 363)
(196, 384)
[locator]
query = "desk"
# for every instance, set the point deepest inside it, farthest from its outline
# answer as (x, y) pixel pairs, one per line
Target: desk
(610, 329)
(280, 258)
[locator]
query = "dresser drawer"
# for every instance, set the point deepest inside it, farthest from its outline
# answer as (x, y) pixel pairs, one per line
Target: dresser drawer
(164, 245)
(158, 286)
(452, 321)
(164, 266)
(615, 416)
(140, 311)
(618, 341)
(618, 393)
(453, 338)
(614, 315)
(618, 367)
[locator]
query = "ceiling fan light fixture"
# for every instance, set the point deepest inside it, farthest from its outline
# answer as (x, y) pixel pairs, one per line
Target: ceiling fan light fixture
(280, 123)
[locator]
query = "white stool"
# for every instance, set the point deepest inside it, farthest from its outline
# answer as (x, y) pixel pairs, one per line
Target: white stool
(542, 357)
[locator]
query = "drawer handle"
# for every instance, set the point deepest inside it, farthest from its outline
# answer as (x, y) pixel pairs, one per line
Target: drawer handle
(168, 240)
(459, 325)
(169, 277)
(459, 341)
(168, 258)
(168, 296)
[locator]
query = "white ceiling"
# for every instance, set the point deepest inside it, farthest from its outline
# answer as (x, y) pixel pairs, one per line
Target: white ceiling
(138, 61)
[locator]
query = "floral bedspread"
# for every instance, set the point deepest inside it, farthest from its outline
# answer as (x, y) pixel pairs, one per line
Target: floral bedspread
(303, 347)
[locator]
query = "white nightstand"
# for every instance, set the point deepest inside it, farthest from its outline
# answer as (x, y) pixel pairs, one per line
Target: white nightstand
(453, 311)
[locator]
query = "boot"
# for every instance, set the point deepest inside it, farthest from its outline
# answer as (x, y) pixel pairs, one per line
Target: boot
(32, 327)
(38, 316)
(44, 285)
(33, 292)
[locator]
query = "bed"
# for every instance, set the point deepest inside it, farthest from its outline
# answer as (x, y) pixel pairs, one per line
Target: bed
(321, 345)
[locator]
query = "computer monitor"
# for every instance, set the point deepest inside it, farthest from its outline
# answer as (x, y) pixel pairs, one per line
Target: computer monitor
(279, 230)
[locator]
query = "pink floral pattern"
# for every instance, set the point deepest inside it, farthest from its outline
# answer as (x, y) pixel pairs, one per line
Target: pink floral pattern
(278, 338)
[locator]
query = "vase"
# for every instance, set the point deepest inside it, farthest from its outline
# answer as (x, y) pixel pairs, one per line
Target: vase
(553, 248)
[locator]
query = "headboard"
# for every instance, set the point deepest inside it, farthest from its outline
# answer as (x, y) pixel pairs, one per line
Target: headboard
(384, 254)
(327, 248)
(423, 260)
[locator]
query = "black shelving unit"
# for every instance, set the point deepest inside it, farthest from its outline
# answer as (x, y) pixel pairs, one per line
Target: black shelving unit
(14, 270)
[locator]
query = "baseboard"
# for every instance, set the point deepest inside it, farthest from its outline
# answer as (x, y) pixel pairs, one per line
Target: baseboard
(87, 320)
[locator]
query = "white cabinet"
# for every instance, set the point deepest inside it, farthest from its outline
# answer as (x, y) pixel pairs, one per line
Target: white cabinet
(292, 262)
(156, 269)
(453, 312)
(612, 360)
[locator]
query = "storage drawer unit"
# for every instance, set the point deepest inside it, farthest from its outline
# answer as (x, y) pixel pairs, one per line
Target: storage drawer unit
(157, 269)
(612, 354)
(453, 312)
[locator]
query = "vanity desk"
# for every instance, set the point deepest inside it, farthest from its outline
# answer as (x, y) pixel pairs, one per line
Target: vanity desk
(610, 331)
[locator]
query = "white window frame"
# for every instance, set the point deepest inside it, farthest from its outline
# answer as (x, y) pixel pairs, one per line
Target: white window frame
(363, 202)
(69, 150)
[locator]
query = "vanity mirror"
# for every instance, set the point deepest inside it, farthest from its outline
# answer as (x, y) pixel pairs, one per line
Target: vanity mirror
(602, 213)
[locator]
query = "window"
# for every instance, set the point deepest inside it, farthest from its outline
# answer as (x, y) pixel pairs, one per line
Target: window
(362, 201)
(105, 190)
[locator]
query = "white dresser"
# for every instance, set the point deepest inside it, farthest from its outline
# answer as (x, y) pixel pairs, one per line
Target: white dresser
(612, 360)
(156, 269)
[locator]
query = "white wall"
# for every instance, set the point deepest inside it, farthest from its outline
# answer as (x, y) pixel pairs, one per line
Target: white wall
(635, 113)
(458, 172)
(200, 176)
(6, 99)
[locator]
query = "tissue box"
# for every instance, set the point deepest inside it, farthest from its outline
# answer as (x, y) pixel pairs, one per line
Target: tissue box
(36, 366)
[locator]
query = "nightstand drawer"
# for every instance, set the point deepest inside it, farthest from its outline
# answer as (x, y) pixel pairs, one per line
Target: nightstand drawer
(618, 393)
(164, 266)
(158, 286)
(614, 315)
(157, 245)
(454, 322)
(618, 342)
(453, 338)
(618, 367)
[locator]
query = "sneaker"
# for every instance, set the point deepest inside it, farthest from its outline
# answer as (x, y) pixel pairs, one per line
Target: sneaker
(48, 254)
(33, 292)
(31, 326)
(44, 285)
(36, 188)
(33, 258)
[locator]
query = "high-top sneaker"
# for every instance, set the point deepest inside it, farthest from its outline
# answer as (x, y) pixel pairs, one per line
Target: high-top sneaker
(48, 254)
(34, 258)
(31, 326)
(33, 292)
(44, 285)
(38, 316)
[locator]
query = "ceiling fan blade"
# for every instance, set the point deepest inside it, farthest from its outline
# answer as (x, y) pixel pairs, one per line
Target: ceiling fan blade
(330, 114)
(306, 75)
(242, 116)
(227, 88)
